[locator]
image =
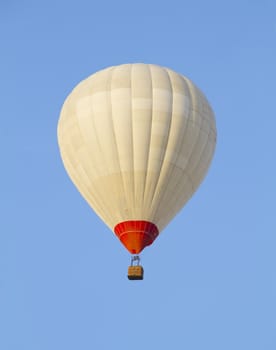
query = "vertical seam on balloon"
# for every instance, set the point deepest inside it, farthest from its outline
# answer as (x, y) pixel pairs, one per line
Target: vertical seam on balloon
(192, 88)
(115, 140)
(106, 213)
(181, 145)
(129, 199)
(132, 134)
(189, 116)
(171, 170)
(192, 111)
(97, 200)
(127, 205)
(150, 140)
(165, 152)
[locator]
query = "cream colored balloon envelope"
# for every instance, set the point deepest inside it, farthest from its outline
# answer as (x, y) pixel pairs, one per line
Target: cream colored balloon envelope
(136, 140)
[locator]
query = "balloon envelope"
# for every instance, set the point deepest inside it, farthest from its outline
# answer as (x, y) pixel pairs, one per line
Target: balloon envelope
(136, 140)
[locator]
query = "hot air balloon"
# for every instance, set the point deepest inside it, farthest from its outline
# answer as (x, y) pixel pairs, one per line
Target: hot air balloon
(137, 141)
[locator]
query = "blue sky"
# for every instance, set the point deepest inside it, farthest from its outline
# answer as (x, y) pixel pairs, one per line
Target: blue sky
(210, 277)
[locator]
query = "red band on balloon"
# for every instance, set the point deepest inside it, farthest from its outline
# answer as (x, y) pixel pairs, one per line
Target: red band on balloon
(136, 234)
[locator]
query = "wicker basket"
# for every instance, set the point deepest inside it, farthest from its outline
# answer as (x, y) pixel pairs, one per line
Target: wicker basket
(135, 272)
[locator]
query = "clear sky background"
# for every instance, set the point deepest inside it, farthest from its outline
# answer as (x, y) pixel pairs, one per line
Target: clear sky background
(210, 278)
